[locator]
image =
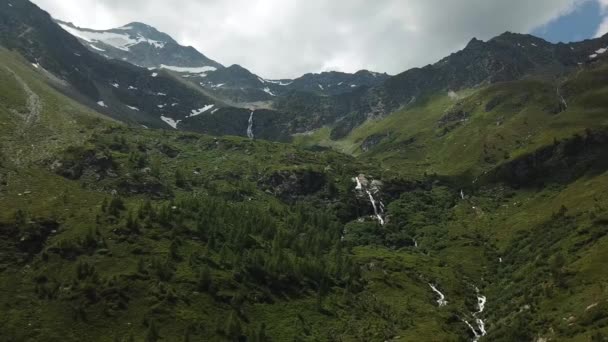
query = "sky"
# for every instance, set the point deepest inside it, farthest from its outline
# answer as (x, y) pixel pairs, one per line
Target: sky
(288, 38)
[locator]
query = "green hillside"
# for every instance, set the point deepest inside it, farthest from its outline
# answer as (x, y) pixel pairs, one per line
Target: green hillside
(471, 215)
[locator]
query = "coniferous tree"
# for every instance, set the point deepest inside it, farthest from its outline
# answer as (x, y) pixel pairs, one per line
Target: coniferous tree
(180, 179)
(233, 328)
(152, 334)
(205, 280)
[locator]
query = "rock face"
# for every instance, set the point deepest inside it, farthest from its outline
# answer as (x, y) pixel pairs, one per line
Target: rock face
(562, 162)
(20, 244)
(77, 163)
(372, 141)
(290, 185)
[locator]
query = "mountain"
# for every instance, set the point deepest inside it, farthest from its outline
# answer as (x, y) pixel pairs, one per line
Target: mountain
(142, 45)
(476, 211)
(505, 58)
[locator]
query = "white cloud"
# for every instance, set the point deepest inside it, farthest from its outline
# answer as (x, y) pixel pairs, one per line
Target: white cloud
(603, 29)
(286, 38)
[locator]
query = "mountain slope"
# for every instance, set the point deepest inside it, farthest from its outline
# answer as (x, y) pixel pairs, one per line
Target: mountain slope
(508, 57)
(472, 214)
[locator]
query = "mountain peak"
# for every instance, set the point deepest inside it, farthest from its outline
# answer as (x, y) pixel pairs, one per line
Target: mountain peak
(474, 43)
(139, 44)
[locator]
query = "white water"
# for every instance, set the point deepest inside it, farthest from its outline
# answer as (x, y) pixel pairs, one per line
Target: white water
(359, 185)
(250, 126)
(441, 301)
(377, 205)
(377, 211)
(481, 306)
(480, 331)
(477, 336)
(562, 99)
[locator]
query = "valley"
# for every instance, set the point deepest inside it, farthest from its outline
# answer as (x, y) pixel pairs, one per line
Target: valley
(462, 201)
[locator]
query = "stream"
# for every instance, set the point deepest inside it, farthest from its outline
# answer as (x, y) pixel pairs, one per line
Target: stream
(480, 330)
(441, 301)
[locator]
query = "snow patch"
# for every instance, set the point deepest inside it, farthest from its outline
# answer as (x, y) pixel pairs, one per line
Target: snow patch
(601, 51)
(117, 40)
(267, 90)
(279, 82)
(133, 108)
(171, 122)
(189, 70)
(161, 94)
(200, 111)
(115, 85)
(154, 74)
(101, 104)
(162, 106)
(96, 48)
(132, 88)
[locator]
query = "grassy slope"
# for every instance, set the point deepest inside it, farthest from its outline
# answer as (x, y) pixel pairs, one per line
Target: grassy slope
(43, 298)
(496, 220)
(460, 241)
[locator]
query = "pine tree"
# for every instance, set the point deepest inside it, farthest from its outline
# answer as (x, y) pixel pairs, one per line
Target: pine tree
(180, 179)
(20, 218)
(205, 280)
(233, 327)
(152, 333)
(174, 250)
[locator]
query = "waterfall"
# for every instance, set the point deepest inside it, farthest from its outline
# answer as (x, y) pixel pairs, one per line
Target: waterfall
(250, 126)
(359, 186)
(441, 301)
(562, 99)
(475, 333)
(377, 211)
(370, 188)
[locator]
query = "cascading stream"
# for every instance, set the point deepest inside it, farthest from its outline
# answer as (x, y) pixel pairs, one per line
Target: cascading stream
(250, 126)
(364, 186)
(441, 301)
(481, 305)
(480, 330)
(377, 211)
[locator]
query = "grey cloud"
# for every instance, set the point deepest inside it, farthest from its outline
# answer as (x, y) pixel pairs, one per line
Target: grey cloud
(286, 38)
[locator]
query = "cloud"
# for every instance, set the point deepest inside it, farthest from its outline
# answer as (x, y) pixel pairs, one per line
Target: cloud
(603, 29)
(286, 38)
